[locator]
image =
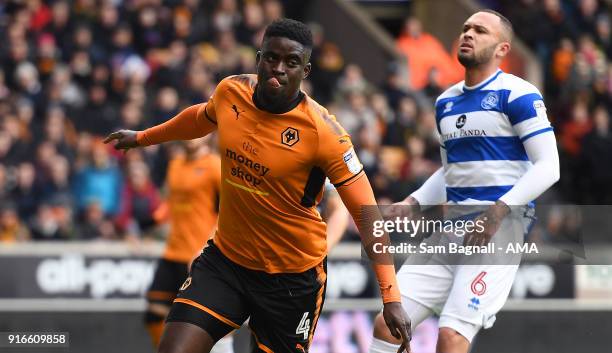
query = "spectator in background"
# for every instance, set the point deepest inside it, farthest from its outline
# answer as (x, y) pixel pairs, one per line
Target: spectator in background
(100, 114)
(395, 88)
(52, 221)
(95, 225)
(60, 25)
(226, 16)
(107, 21)
(596, 156)
(14, 53)
(3, 184)
(574, 130)
(424, 52)
(562, 62)
(526, 17)
(25, 194)
(604, 35)
(327, 65)
(149, 32)
(83, 40)
(48, 55)
(98, 181)
(173, 65)
(27, 80)
(68, 93)
(433, 88)
(18, 141)
(199, 84)
(556, 23)
(356, 114)
(60, 132)
(131, 116)
(404, 123)
(58, 185)
(417, 168)
(230, 55)
(4, 91)
(11, 228)
(166, 105)
(273, 10)
(250, 29)
(139, 200)
(586, 16)
(353, 81)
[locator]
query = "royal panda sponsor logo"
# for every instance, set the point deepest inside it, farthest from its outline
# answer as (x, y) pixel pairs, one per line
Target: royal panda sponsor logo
(72, 275)
(463, 133)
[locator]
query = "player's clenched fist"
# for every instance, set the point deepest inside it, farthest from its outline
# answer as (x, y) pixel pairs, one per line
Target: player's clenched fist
(403, 209)
(399, 324)
(126, 139)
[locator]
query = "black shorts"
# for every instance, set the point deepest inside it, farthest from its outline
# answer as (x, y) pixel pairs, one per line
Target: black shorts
(219, 295)
(168, 278)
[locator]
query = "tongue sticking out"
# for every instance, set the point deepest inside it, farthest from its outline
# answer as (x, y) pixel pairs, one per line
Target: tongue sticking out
(274, 82)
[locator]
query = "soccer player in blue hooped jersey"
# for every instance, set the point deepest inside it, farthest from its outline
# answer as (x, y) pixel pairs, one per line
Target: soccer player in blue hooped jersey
(498, 149)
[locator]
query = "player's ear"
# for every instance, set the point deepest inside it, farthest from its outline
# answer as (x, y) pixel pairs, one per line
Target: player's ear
(257, 57)
(307, 69)
(503, 49)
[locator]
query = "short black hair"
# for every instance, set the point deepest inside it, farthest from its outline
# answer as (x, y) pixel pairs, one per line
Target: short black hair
(508, 28)
(290, 29)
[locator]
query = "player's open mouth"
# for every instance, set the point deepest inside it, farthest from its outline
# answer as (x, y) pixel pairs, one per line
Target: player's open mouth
(466, 46)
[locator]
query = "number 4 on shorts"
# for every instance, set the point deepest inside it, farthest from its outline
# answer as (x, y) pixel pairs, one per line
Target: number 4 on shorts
(304, 326)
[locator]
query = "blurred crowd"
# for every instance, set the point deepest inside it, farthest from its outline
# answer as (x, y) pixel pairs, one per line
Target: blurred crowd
(572, 39)
(73, 71)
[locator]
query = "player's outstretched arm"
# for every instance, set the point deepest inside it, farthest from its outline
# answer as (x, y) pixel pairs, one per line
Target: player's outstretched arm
(358, 198)
(189, 124)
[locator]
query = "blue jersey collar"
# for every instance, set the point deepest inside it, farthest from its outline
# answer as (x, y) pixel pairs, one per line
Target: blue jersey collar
(482, 84)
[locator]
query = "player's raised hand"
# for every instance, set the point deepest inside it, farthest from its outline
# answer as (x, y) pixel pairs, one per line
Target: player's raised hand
(399, 325)
(126, 139)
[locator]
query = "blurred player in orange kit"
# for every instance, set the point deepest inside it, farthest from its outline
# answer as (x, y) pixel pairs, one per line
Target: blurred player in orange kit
(267, 260)
(193, 182)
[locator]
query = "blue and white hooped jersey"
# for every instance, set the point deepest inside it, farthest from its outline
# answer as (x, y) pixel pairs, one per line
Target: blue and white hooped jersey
(482, 130)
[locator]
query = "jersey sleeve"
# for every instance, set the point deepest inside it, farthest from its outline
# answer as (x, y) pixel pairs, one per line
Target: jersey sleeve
(188, 124)
(527, 112)
(209, 111)
(335, 153)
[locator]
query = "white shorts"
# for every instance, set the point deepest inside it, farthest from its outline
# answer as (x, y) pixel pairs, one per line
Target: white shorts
(465, 296)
